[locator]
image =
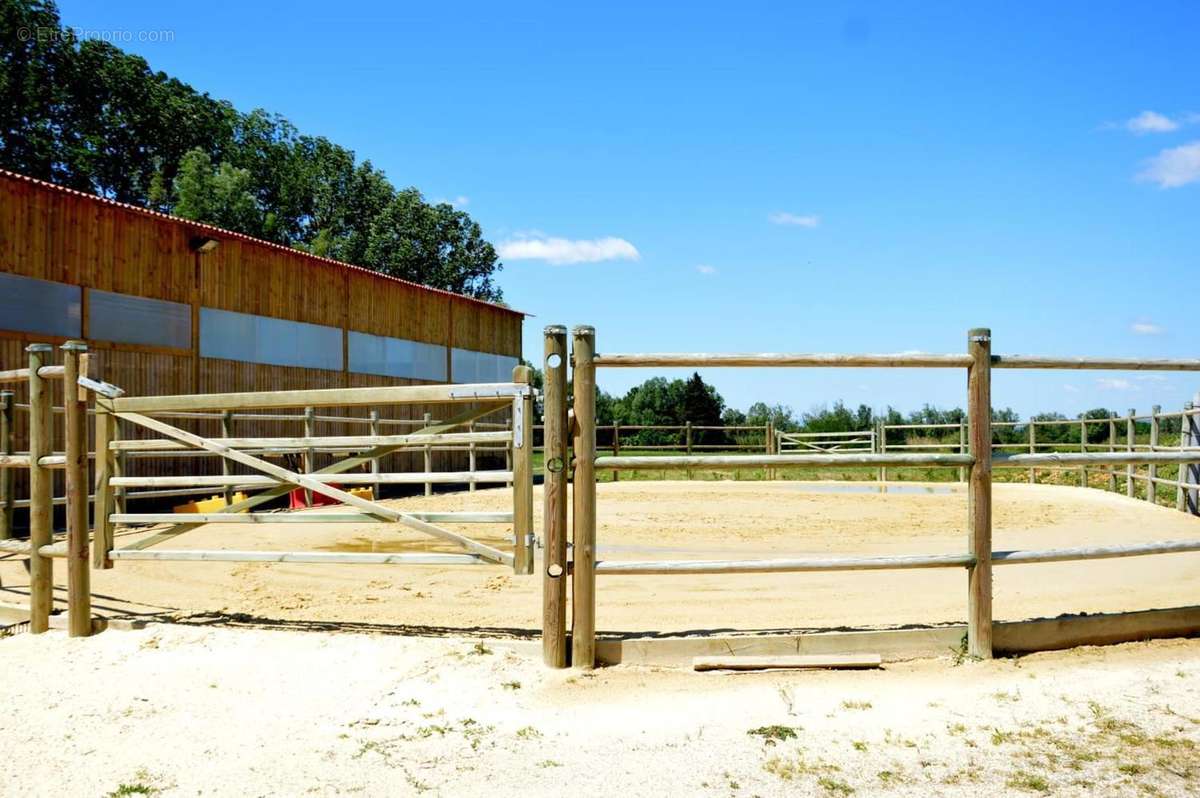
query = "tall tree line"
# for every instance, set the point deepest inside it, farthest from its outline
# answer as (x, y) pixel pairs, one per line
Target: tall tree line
(86, 114)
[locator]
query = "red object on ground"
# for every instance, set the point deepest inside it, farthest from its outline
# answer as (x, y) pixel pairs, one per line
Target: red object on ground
(296, 498)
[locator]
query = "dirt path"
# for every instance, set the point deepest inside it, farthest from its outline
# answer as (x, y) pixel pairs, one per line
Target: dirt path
(646, 520)
(186, 711)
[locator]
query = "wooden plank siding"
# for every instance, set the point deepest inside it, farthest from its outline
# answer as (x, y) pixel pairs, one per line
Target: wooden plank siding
(57, 234)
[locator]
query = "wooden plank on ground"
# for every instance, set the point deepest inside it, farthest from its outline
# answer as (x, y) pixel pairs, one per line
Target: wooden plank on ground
(788, 662)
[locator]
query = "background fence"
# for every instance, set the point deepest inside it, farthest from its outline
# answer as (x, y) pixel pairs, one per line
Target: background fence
(1157, 431)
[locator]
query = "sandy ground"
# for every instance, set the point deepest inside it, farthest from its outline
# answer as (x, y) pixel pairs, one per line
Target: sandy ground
(652, 520)
(179, 710)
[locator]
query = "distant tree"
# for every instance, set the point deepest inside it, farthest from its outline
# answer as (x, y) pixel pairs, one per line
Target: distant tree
(702, 406)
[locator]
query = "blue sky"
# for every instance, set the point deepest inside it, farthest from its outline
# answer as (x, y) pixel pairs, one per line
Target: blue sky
(770, 177)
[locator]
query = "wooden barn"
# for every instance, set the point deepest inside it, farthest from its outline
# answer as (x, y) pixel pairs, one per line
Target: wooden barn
(171, 306)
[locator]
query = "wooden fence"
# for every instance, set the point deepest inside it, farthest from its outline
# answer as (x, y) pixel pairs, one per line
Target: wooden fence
(355, 462)
(1120, 434)
(977, 460)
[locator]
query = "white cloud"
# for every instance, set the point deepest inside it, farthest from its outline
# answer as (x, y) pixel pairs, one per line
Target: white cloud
(1115, 384)
(458, 202)
(1070, 388)
(704, 268)
(1151, 122)
(793, 220)
(560, 251)
(1173, 167)
(1146, 327)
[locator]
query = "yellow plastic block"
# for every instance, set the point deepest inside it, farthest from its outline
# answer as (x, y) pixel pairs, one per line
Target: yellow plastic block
(212, 505)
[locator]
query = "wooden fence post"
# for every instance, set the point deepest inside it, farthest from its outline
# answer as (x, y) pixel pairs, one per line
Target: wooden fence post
(883, 472)
(471, 452)
(1112, 447)
(583, 578)
(522, 479)
(1032, 450)
(1130, 437)
(1083, 473)
(1191, 473)
(1152, 470)
(41, 492)
(687, 440)
(79, 589)
(102, 502)
(226, 463)
(7, 475)
(1181, 474)
(616, 446)
(377, 486)
(771, 446)
(554, 498)
(979, 494)
(428, 456)
(310, 464)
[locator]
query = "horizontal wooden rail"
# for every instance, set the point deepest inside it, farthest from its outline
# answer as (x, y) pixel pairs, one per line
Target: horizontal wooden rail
(779, 359)
(315, 557)
(258, 481)
(14, 461)
(355, 441)
(1100, 363)
(784, 565)
(22, 375)
(1095, 552)
(656, 463)
(1095, 458)
(318, 397)
(902, 562)
(301, 518)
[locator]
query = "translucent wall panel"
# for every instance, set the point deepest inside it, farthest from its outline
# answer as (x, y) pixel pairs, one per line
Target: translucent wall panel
(138, 320)
(469, 366)
(39, 306)
(396, 357)
(277, 342)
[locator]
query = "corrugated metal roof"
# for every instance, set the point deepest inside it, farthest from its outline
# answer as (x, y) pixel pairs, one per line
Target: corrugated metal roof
(220, 231)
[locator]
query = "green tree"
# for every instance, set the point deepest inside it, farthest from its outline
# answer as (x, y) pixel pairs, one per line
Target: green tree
(88, 115)
(702, 406)
(434, 245)
(219, 195)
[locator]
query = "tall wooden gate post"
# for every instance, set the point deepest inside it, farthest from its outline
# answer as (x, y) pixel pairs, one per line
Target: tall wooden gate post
(979, 494)
(41, 492)
(522, 477)
(554, 498)
(583, 534)
(79, 588)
